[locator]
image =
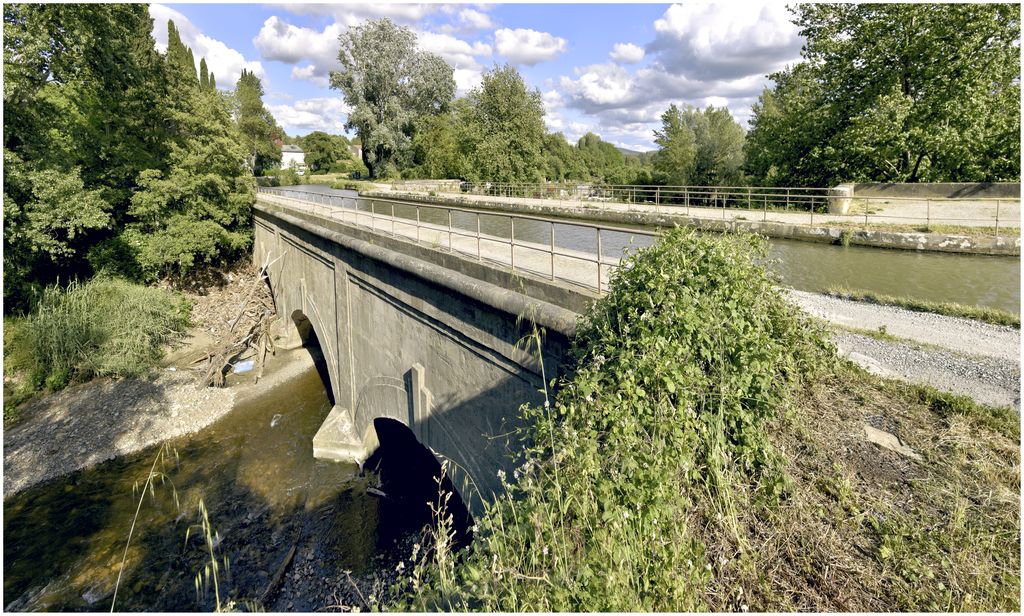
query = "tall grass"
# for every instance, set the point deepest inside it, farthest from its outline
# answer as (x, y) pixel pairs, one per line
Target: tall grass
(102, 327)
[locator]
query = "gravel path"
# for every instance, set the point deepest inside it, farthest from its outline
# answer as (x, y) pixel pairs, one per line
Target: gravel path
(989, 381)
(961, 356)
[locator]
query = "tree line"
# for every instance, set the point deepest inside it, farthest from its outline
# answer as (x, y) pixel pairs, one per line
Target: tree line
(884, 92)
(118, 157)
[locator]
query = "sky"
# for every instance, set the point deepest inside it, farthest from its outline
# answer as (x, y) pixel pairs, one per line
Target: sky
(611, 69)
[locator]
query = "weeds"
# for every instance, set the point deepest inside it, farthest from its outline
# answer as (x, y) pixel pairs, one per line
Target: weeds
(102, 327)
(704, 456)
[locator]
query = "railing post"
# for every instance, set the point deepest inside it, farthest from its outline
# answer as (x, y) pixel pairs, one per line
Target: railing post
(997, 218)
(686, 197)
(552, 250)
(512, 243)
(787, 200)
(928, 213)
(450, 247)
(765, 217)
(417, 224)
(599, 260)
(392, 219)
(373, 215)
(479, 255)
(657, 196)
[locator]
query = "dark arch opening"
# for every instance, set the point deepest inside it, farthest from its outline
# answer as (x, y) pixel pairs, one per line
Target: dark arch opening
(408, 475)
(312, 344)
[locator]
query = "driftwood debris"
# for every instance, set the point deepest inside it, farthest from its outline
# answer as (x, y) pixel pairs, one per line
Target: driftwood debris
(250, 328)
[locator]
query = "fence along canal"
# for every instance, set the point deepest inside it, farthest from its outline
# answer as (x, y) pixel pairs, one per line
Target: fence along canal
(579, 252)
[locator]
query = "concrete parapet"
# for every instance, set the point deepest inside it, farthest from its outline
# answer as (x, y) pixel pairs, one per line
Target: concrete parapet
(839, 199)
(937, 190)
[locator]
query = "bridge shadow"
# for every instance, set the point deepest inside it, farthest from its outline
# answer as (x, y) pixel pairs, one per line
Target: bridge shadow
(310, 342)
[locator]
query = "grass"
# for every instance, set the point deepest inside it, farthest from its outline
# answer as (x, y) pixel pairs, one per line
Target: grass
(102, 327)
(969, 231)
(709, 453)
(985, 314)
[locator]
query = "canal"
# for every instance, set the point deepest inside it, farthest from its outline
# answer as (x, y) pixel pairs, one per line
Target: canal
(979, 280)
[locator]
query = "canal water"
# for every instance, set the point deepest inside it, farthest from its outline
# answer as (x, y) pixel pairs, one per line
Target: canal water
(270, 504)
(807, 266)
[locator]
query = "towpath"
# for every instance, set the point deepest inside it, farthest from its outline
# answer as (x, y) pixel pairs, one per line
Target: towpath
(961, 356)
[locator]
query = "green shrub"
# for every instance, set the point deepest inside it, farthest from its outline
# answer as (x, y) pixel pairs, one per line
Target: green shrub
(102, 327)
(652, 446)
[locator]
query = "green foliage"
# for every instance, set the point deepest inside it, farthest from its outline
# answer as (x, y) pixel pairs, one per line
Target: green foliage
(698, 147)
(102, 327)
(324, 151)
(651, 443)
(103, 137)
(894, 93)
(389, 85)
(255, 124)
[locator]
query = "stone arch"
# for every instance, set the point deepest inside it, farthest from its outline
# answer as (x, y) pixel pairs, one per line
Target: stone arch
(304, 334)
(410, 471)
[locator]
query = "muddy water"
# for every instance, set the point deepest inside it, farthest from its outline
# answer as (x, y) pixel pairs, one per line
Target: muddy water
(255, 472)
(807, 266)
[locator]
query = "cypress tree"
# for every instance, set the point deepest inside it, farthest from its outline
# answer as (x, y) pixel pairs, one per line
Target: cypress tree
(204, 78)
(213, 83)
(192, 65)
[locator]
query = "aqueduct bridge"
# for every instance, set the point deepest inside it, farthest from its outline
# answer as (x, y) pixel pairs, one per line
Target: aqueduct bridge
(424, 323)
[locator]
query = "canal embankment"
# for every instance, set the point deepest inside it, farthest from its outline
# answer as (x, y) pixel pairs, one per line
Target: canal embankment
(783, 225)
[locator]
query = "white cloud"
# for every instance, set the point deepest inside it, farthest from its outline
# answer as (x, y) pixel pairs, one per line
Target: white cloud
(627, 53)
(291, 44)
(716, 41)
(457, 52)
(303, 116)
(702, 54)
(529, 47)
(475, 20)
(223, 61)
(309, 73)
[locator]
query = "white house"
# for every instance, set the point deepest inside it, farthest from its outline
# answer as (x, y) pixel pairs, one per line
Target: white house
(292, 157)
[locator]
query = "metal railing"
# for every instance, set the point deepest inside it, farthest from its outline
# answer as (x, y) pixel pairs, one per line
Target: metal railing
(419, 222)
(802, 206)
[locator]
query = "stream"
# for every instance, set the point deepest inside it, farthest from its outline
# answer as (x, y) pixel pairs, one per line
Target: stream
(271, 507)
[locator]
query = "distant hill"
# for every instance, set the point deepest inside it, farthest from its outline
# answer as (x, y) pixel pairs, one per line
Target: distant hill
(626, 152)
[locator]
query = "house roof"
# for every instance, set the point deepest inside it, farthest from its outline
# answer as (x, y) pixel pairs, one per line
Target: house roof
(291, 148)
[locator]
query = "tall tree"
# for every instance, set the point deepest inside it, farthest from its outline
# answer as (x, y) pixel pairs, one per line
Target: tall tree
(906, 92)
(703, 147)
(677, 154)
(82, 87)
(509, 120)
(195, 208)
(204, 77)
(388, 84)
(256, 125)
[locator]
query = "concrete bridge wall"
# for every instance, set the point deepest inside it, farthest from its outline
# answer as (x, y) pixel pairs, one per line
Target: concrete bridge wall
(427, 344)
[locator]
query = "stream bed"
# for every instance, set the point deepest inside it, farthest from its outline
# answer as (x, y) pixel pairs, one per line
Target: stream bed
(285, 527)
